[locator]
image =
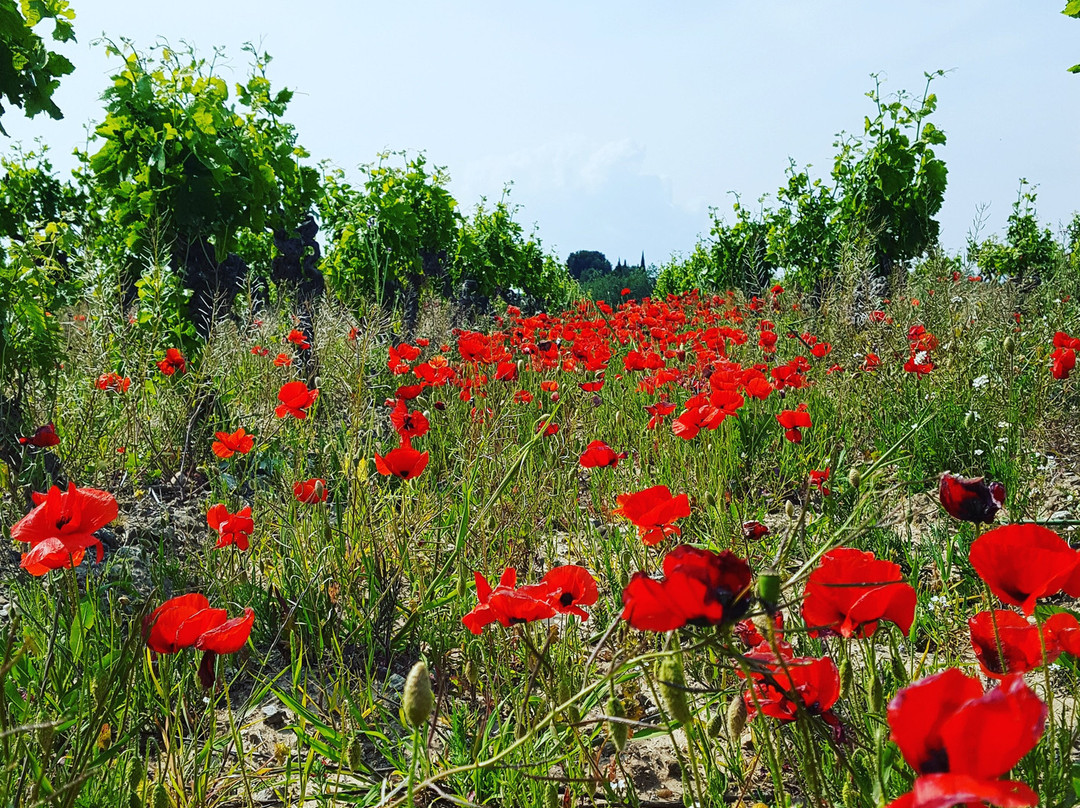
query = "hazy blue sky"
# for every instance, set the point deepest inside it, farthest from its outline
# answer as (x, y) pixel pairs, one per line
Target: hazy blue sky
(620, 123)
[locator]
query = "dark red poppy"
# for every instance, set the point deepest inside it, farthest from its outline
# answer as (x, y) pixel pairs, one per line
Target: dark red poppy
(792, 421)
(851, 591)
(699, 587)
(547, 428)
(404, 462)
(310, 492)
(1005, 642)
(60, 528)
(295, 399)
(173, 361)
(506, 371)
(43, 436)
(960, 741)
(592, 387)
(653, 511)
(752, 531)
(232, 528)
(599, 455)
(228, 444)
(799, 684)
(1063, 362)
(970, 498)
(570, 587)
(408, 424)
(408, 392)
(1022, 563)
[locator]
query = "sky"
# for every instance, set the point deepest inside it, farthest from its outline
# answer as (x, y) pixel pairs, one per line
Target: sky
(621, 124)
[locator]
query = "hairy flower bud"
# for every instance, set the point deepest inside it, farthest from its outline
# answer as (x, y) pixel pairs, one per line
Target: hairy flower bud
(736, 716)
(854, 478)
(619, 730)
(672, 686)
(418, 699)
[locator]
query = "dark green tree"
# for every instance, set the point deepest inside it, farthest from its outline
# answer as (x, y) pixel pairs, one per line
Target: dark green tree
(29, 71)
(583, 261)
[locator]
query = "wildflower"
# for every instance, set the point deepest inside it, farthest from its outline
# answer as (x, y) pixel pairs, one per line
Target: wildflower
(259, 350)
(227, 638)
(1004, 642)
(814, 683)
(60, 528)
(699, 587)
(970, 498)
(295, 399)
(228, 444)
(523, 397)
(792, 421)
(408, 424)
(657, 412)
(569, 587)
(599, 454)
(282, 361)
(960, 741)
(297, 338)
(850, 591)
(548, 428)
(310, 492)
(753, 530)
(1022, 563)
(1064, 361)
(173, 361)
(114, 382)
(653, 511)
(505, 604)
(232, 528)
(819, 478)
(43, 436)
(404, 462)
(187, 621)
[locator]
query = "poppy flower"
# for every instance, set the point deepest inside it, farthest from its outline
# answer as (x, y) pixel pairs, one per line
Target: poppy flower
(408, 424)
(259, 350)
(792, 421)
(919, 363)
(699, 588)
(295, 399)
(851, 590)
(404, 462)
(547, 428)
(599, 454)
(818, 478)
(506, 372)
(523, 397)
(652, 511)
(592, 387)
(282, 360)
(970, 498)
(227, 638)
(1022, 563)
(872, 362)
(173, 361)
(1005, 642)
(797, 684)
(60, 528)
(43, 436)
(960, 741)
(228, 444)
(232, 528)
(754, 530)
(179, 622)
(570, 587)
(659, 411)
(506, 605)
(1063, 362)
(114, 382)
(297, 338)
(310, 492)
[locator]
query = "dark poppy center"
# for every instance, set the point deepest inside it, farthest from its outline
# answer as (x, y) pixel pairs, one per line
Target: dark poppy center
(566, 598)
(63, 520)
(517, 621)
(936, 762)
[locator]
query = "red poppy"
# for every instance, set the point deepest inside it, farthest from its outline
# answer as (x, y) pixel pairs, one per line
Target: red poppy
(227, 638)
(1021, 563)
(851, 590)
(970, 498)
(1064, 362)
(408, 424)
(282, 360)
(173, 361)
(298, 339)
(259, 350)
(872, 363)
(179, 622)
(919, 363)
(570, 587)
(295, 399)
(547, 428)
(43, 436)
(507, 605)
(753, 530)
(699, 587)
(114, 382)
(799, 684)
(659, 411)
(238, 442)
(60, 528)
(960, 741)
(792, 421)
(1005, 642)
(232, 528)
(404, 462)
(599, 454)
(819, 478)
(310, 492)
(652, 511)
(523, 397)
(506, 371)
(592, 387)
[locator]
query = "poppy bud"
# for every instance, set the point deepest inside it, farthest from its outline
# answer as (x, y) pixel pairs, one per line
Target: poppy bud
(736, 716)
(969, 420)
(716, 724)
(1009, 344)
(462, 586)
(768, 589)
(45, 737)
(710, 500)
(135, 773)
(566, 690)
(969, 498)
(846, 676)
(472, 674)
(161, 797)
(418, 699)
(597, 401)
(877, 694)
(854, 478)
(789, 509)
(619, 730)
(554, 396)
(440, 406)
(847, 794)
(551, 796)
(672, 686)
(492, 522)
(356, 752)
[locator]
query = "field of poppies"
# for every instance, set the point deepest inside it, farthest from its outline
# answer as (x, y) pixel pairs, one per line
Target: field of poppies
(698, 550)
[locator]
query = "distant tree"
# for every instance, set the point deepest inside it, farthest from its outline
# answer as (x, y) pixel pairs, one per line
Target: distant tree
(29, 71)
(583, 261)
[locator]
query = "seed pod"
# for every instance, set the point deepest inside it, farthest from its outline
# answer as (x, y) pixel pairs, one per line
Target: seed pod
(672, 686)
(716, 724)
(768, 589)
(135, 773)
(846, 676)
(969, 420)
(356, 752)
(789, 509)
(418, 699)
(847, 795)
(472, 673)
(619, 730)
(877, 694)
(736, 716)
(854, 478)
(161, 797)
(710, 499)
(462, 586)
(134, 801)
(1009, 344)
(551, 796)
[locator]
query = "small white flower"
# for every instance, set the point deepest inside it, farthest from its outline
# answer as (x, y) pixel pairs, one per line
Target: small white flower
(980, 381)
(978, 452)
